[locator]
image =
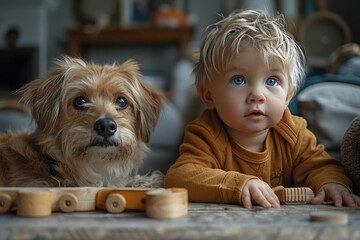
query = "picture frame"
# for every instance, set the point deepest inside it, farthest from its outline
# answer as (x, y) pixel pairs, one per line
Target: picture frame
(134, 12)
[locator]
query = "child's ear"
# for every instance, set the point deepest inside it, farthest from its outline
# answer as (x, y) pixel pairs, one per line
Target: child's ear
(290, 95)
(206, 97)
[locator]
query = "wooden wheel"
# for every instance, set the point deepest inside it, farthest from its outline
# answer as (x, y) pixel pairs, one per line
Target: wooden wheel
(115, 203)
(68, 202)
(5, 203)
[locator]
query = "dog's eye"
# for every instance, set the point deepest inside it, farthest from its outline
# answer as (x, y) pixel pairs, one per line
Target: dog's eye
(121, 102)
(79, 102)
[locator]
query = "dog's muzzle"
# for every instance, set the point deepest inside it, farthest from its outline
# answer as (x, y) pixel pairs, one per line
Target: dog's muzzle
(105, 127)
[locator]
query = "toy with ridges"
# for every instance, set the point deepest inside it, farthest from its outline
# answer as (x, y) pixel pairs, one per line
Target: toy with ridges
(296, 195)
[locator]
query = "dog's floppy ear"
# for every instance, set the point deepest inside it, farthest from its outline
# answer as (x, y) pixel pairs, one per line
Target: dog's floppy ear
(148, 114)
(149, 100)
(42, 95)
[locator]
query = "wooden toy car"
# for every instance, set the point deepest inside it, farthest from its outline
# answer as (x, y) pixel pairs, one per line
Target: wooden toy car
(61, 199)
(116, 200)
(157, 203)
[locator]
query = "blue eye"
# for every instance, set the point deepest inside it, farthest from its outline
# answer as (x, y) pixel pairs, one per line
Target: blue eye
(271, 81)
(238, 80)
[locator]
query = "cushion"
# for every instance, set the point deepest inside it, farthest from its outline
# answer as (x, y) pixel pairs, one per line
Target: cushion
(329, 108)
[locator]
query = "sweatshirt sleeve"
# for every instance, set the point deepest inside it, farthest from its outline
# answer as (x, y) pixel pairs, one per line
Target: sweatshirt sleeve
(313, 166)
(199, 167)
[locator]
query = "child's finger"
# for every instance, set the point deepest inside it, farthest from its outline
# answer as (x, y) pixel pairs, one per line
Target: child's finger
(319, 198)
(273, 199)
(357, 200)
(338, 199)
(246, 198)
(350, 199)
(261, 198)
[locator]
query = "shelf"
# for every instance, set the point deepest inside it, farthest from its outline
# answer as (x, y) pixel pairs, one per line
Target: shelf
(78, 39)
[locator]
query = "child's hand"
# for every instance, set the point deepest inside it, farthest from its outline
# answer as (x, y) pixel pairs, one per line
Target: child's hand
(259, 192)
(337, 193)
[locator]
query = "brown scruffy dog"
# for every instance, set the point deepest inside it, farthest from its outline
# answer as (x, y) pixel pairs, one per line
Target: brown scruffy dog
(93, 123)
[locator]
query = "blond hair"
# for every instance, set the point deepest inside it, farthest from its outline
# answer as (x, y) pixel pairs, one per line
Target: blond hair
(222, 40)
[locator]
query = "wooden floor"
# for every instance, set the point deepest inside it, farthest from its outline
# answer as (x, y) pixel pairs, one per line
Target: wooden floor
(204, 221)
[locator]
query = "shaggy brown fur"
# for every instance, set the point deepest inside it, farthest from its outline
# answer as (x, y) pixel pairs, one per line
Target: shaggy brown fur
(93, 123)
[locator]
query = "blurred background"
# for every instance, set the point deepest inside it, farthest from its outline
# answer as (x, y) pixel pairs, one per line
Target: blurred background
(163, 36)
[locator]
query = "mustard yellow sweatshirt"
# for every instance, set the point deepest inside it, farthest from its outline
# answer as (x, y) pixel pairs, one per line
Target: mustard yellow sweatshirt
(215, 169)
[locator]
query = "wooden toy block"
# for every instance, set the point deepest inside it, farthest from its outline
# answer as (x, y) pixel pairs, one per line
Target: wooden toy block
(329, 217)
(33, 203)
(116, 200)
(292, 196)
(167, 203)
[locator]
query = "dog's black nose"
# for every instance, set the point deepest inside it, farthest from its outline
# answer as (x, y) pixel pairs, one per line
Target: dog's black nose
(105, 127)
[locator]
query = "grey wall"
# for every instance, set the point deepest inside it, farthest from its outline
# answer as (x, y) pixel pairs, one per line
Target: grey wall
(63, 18)
(60, 17)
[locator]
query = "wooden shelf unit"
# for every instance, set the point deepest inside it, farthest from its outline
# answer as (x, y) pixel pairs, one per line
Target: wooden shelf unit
(147, 35)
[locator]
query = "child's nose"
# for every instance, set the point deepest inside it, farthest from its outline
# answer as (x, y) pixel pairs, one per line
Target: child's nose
(256, 96)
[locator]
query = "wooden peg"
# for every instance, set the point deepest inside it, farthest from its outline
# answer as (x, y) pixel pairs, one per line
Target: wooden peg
(167, 203)
(298, 195)
(34, 203)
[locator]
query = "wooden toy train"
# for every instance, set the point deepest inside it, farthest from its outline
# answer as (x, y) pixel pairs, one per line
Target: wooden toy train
(157, 203)
(39, 202)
